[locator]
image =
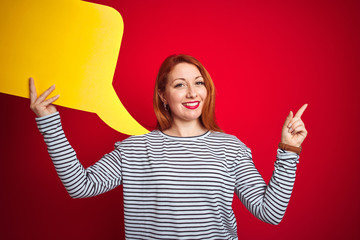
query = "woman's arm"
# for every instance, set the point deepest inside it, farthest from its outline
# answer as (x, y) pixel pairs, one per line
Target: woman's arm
(269, 202)
(266, 202)
(79, 182)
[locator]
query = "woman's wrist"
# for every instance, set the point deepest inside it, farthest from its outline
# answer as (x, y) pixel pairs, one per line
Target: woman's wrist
(288, 147)
(46, 116)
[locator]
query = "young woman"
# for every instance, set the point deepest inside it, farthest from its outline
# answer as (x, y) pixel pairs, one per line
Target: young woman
(179, 180)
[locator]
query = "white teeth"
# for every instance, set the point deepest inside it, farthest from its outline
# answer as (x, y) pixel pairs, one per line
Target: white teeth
(191, 104)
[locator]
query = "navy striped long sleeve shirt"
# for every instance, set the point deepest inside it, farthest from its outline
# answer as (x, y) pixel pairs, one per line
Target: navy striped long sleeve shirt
(176, 187)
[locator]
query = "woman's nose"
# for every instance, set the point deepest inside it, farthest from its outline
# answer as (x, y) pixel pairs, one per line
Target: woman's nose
(191, 93)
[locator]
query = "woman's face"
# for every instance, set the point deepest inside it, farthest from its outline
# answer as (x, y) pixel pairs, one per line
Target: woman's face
(185, 92)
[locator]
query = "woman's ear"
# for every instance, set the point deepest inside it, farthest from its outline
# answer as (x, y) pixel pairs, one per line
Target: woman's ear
(162, 96)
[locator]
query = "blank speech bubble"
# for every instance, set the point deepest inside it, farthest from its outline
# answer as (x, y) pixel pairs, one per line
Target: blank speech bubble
(69, 43)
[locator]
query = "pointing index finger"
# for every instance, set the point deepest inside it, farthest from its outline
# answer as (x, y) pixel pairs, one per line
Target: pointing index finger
(33, 93)
(301, 110)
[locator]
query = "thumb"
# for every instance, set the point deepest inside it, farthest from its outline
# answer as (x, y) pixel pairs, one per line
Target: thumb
(288, 118)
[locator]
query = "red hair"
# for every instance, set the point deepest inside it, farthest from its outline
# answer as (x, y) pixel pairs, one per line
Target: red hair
(164, 119)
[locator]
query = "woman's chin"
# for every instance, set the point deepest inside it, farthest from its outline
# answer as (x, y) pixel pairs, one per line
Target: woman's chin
(192, 117)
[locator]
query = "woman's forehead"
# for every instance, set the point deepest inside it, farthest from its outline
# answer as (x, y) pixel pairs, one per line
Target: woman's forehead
(184, 71)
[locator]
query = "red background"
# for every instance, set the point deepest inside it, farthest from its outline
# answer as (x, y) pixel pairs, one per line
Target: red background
(266, 58)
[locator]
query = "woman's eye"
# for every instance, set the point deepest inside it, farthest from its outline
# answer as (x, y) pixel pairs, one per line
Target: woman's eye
(200, 83)
(179, 85)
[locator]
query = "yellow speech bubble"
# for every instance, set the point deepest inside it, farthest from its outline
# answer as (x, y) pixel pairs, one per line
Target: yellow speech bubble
(69, 43)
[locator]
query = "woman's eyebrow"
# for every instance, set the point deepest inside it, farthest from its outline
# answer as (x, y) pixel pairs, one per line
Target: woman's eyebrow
(178, 79)
(185, 79)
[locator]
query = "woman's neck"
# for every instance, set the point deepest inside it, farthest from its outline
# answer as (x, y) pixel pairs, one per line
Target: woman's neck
(185, 129)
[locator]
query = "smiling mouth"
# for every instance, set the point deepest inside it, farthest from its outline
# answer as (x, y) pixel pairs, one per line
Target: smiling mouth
(191, 105)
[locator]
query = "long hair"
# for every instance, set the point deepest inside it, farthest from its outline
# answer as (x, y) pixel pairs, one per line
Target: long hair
(164, 119)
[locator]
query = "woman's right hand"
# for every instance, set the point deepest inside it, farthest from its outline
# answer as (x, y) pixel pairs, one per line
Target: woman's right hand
(40, 105)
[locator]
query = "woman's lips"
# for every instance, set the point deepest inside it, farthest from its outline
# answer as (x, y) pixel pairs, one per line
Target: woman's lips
(191, 105)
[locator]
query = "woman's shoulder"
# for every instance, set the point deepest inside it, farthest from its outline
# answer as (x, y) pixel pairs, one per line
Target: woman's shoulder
(227, 139)
(138, 139)
(224, 137)
(231, 143)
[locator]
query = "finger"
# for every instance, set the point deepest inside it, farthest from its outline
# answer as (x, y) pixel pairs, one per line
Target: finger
(301, 111)
(45, 94)
(51, 100)
(299, 130)
(33, 93)
(299, 122)
(288, 118)
(294, 119)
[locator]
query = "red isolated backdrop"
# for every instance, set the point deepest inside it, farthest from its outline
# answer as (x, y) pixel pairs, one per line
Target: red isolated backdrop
(266, 58)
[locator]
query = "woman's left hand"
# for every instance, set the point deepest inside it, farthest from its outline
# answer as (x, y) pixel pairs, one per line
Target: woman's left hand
(294, 132)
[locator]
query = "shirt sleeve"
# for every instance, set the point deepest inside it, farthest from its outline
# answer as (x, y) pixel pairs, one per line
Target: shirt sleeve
(267, 202)
(78, 181)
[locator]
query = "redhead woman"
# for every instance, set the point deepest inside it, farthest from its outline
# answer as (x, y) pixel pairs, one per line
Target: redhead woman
(178, 180)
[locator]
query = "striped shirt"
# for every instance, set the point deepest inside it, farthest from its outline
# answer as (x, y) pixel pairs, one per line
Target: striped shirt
(176, 187)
